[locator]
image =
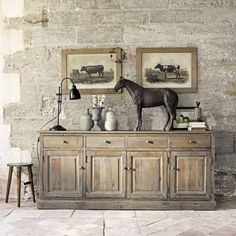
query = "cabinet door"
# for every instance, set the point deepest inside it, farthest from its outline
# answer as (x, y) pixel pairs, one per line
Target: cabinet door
(105, 173)
(190, 175)
(147, 174)
(62, 174)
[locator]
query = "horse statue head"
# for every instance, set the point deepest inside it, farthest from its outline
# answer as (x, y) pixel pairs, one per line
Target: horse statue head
(119, 85)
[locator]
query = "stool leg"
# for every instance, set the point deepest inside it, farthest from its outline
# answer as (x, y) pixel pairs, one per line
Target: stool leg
(9, 183)
(18, 185)
(31, 181)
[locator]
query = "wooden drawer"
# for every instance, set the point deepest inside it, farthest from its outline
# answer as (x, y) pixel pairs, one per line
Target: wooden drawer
(147, 142)
(62, 141)
(192, 141)
(105, 142)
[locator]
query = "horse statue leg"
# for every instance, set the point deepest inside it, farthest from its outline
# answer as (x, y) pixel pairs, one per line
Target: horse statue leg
(171, 110)
(139, 116)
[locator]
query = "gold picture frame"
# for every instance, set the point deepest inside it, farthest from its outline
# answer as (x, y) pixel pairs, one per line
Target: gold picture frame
(174, 68)
(93, 70)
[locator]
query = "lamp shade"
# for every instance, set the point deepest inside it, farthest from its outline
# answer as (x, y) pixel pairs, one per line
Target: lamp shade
(74, 93)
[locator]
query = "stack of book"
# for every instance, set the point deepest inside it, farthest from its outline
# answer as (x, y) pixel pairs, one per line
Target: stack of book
(197, 126)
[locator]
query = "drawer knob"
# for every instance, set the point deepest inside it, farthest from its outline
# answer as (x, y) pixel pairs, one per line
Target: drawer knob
(175, 168)
(149, 141)
(107, 141)
(65, 141)
(192, 141)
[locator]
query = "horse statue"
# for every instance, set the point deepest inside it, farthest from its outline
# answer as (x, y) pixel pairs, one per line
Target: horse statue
(150, 97)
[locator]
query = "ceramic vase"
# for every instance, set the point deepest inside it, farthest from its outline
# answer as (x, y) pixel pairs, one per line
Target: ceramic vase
(86, 122)
(111, 122)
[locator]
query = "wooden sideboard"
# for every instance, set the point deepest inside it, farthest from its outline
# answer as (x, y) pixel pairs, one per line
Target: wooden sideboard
(127, 170)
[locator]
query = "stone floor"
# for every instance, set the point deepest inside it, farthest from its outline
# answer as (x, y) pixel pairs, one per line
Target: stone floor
(29, 221)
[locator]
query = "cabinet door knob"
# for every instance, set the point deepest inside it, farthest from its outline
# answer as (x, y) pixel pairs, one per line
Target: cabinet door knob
(81, 168)
(192, 141)
(107, 141)
(175, 168)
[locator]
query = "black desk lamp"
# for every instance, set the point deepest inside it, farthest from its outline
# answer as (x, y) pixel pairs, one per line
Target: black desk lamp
(74, 94)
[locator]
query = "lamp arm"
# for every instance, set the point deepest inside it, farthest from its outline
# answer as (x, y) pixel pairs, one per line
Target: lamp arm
(68, 79)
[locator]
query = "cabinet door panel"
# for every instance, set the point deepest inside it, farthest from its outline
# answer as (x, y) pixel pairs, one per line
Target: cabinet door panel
(147, 174)
(62, 173)
(105, 174)
(190, 175)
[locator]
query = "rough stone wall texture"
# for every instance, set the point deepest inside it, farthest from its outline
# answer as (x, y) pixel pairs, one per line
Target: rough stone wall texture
(47, 26)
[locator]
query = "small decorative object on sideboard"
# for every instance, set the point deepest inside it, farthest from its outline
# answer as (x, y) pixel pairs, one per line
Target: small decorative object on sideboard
(150, 97)
(96, 110)
(96, 117)
(86, 122)
(111, 122)
(197, 112)
(197, 126)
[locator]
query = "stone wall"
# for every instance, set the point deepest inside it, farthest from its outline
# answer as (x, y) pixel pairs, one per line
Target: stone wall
(33, 69)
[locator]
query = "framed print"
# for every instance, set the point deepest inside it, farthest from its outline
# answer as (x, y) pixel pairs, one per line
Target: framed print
(184, 115)
(174, 68)
(94, 71)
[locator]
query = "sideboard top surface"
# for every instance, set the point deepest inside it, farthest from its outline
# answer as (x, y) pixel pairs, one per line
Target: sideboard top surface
(48, 132)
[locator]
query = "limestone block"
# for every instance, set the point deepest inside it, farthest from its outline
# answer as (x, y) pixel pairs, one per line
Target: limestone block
(201, 3)
(99, 34)
(29, 60)
(5, 131)
(226, 163)
(52, 37)
(150, 4)
(35, 5)
(145, 34)
(225, 185)
(177, 16)
(85, 18)
(213, 52)
(11, 41)
(220, 15)
(9, 88)
(31, 19)
(12, 8)
(98, 4)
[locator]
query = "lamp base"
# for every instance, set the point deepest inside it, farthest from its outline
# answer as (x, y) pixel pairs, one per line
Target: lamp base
(57, 128)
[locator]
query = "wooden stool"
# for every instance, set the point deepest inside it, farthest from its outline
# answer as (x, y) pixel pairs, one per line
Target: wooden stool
(18, 168)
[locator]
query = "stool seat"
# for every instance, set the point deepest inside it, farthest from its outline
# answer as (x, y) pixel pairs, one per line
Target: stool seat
(20, 164)
(18, 167)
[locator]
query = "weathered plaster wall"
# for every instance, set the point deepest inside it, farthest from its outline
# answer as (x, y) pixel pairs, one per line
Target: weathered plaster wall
(33, 66)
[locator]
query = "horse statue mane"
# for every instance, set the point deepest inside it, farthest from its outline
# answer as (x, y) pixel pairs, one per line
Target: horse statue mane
(150, 97)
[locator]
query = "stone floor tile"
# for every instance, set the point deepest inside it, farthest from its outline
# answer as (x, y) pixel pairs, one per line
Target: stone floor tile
(208, 215)
(198, 231)
(153, 226)
(151, 214)
(24, 213)
(123, 232)
(173, 229)
(43, 226)
(120, 223)
(232, 212)
(5, 212)
(88, 214)
(56, 213)
(226, 231)
(182, 214)
(118, 213)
